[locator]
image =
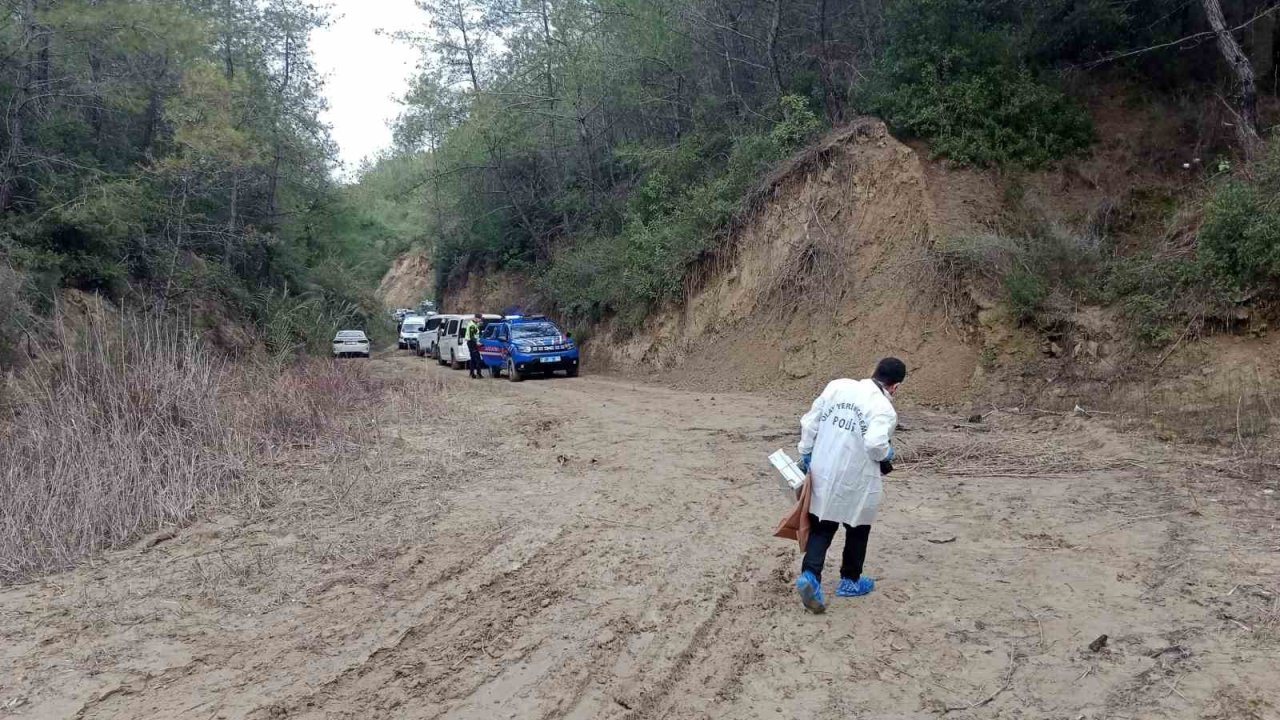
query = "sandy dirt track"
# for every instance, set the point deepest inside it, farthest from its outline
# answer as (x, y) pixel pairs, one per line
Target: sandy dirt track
(600, 548)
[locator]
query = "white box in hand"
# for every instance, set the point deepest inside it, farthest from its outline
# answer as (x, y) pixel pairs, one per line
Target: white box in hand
(791, 474)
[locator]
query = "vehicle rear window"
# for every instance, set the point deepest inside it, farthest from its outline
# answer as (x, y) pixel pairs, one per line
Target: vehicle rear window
(350, 335)
(534, 329)
(412, 327)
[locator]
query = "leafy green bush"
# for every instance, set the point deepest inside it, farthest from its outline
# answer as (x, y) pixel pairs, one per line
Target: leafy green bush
(799, 123)
(1030, 269)
(1027, 293)
(1157, 295)
(631, 247)
(953, 73)
(1239, 241)
(1164, 295)
(689, 192)
(297, 324)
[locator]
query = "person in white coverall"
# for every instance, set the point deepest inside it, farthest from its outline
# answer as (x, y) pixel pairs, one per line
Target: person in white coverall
(845, 445)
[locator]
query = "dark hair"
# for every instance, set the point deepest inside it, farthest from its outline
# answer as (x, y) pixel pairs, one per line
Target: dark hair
(890, 371)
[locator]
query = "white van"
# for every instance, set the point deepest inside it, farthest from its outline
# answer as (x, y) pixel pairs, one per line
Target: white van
(409, 329)
(447, 333)
(452, 344)
(427, 338)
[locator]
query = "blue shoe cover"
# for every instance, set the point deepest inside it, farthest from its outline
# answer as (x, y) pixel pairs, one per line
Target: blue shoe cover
(855, 588)
(811, 592)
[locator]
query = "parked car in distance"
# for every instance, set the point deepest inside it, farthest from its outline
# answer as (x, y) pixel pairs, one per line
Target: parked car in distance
(348, 343)
(426, 346)
(452, 345)
(410, 327)
(522, 346)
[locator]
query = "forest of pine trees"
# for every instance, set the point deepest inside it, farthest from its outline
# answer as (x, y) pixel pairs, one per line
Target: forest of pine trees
(168, 154)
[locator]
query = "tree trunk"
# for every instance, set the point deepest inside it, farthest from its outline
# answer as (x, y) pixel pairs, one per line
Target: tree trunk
(774, 24)
(96, 102)
(830, 100)
(15, 118)
(468, 49)
(1247, 120)
(152, 126)
(273, 183)
(153, 119)
(234, 202)
(228, 59)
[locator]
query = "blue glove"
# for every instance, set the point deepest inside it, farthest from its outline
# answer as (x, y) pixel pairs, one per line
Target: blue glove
(805, 459)
(890, 455)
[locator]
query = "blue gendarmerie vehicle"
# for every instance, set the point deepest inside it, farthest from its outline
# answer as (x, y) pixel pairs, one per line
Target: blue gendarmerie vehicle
(521, 346)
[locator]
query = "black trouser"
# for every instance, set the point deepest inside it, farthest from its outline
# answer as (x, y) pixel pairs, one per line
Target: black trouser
(474, 365)
(821, 533)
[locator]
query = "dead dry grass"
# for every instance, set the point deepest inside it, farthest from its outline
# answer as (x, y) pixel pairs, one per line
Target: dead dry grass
(976, 450)
(137, 425)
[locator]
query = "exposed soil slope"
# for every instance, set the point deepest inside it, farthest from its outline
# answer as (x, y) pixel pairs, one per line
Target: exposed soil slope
(617, 563)
(489, 292)
(835, 264)
(408, 281)
(827, 276)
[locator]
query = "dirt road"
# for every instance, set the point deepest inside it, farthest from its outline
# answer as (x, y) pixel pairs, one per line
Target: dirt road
(600, 548)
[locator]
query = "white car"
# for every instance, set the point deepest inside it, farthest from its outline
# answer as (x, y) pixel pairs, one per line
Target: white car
(410, 327)
(350, 342)
(452, 344)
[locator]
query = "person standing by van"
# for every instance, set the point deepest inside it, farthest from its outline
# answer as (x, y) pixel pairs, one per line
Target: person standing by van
(845, 446)
(472, 336)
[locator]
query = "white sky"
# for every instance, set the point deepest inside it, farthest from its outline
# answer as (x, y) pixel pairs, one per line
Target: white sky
(364, 72)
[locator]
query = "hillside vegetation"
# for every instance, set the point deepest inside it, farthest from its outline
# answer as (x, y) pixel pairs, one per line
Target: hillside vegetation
(604, 150)
(172, 243)
(167, 154)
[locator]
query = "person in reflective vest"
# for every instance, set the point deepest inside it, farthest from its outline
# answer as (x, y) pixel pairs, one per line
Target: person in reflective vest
(472, 336)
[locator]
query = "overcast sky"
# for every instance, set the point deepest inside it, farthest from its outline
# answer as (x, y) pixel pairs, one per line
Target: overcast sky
(365, 72)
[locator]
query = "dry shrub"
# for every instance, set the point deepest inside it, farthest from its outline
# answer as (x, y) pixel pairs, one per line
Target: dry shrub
(126, 429)
(298, 405)
(816, 270)
(1237, 411)
(1039, 276)
(136, 424)
(16, 318)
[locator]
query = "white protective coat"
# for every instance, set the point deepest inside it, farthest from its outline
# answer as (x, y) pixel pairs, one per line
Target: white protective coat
(848, 430)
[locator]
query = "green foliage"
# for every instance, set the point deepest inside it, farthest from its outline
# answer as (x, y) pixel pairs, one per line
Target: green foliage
(690, 192)
(799, 123)
(296, 324)
(1239, 240)
(1037, 272)
(169, 152)
(16, 315)
(1027, 293)
(953, 73)
(1157, 295)
(602, 147)
(1237, 256)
